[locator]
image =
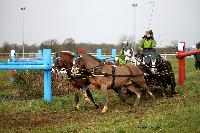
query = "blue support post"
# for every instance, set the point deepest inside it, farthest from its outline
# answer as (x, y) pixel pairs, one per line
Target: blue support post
(114, 53)
(47, 76)
(99, 54)
(39, 54)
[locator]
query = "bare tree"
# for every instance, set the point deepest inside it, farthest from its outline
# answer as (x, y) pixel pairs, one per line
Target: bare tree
(6, 47)
(51, 43)
(174, 44)
(70, 44)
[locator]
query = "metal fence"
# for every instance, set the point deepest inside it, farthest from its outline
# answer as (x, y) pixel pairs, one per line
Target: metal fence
(34, 55)
(20, 55)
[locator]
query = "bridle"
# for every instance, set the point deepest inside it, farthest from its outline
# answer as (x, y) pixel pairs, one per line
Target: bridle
(78, 60)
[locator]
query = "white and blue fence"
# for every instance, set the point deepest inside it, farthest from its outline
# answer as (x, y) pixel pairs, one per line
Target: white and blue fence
(43, 62)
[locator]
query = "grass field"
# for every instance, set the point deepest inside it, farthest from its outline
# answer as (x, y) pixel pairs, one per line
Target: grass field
(180, 113)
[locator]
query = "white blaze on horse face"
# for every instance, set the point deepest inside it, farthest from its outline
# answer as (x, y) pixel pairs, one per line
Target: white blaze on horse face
(153, 66)
(133, 59)
(153, 63)
(74, 71)
(127, 55)
(74, 62)
(63, 70)
(127, 58)
(143, 61)
(53, 70)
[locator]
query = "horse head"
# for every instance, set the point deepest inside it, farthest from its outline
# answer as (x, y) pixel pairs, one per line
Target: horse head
(64, 62)
(85, 62)
(151, 63)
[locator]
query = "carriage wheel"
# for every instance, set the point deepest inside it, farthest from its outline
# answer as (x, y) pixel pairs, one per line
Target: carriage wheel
(173, 84)
(170, 79)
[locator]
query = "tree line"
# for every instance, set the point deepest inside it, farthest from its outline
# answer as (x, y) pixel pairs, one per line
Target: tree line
(70, 45)
(55, 46)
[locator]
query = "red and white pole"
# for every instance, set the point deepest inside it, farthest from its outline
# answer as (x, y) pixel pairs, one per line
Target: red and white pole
(181, 69)
(181, 61)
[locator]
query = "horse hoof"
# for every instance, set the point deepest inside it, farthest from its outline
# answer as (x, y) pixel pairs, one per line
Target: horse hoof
(77, 107)
(85, 97)
(104, 110)
(175, 92)
(87, 100)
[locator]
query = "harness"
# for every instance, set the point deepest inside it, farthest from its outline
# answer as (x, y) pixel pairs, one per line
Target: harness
(96, 72)
(87, 73)
(114, 75)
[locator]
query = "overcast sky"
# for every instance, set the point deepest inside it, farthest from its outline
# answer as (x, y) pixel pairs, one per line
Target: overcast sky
(98, 21)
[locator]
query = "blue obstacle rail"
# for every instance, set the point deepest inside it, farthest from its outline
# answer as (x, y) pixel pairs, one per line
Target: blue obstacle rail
(43, 62)
(107, 58)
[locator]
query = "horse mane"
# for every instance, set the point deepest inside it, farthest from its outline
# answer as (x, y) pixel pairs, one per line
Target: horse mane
(92, 57)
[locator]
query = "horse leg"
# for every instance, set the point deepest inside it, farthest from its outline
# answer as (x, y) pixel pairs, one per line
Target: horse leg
(77, 94)
(85, 94)
(162, 89)
(118, 91)
(135, 90)
(105, 98)
(145, 87)
(88, 93)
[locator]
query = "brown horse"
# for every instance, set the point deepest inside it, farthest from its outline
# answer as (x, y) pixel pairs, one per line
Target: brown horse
(106, 76)
(66, 62)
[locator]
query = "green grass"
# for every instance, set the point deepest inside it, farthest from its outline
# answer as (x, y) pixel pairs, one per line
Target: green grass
(4, 74)
(177, 114)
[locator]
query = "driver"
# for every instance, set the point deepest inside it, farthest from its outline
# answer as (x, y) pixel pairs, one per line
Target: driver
(148, 44)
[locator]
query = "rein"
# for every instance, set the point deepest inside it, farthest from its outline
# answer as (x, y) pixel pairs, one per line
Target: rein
(91, 72)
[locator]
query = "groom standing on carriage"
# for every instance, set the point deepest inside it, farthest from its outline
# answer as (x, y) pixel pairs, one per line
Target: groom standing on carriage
(126, 53)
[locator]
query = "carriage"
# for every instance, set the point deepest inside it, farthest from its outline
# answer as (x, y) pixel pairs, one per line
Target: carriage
(158, 72)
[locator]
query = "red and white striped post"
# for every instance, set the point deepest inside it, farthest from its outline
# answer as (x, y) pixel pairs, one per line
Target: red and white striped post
(181, 61)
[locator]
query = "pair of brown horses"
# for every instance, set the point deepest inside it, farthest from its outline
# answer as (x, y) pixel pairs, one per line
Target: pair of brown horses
(104, 77)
